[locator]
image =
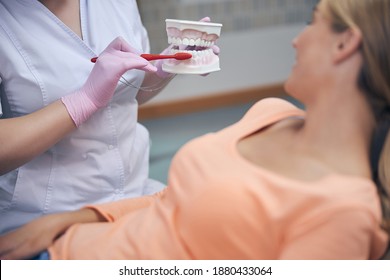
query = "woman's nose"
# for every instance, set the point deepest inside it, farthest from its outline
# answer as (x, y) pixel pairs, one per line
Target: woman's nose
(295, 42)
(296, 39)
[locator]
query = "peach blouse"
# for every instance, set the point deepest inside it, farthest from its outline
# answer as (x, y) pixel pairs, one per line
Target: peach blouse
(218, 205)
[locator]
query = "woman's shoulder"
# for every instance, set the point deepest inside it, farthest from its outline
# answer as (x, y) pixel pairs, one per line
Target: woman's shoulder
(271, 106)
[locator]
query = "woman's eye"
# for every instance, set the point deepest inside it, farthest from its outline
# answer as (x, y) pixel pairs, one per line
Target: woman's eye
(310, 21)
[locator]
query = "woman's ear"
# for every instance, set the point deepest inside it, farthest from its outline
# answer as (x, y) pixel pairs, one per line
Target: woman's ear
(347, 43)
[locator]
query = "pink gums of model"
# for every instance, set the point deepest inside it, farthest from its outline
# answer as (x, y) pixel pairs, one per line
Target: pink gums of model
(196, 38)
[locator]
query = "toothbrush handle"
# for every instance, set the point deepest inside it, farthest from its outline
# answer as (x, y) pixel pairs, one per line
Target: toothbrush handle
(146, 56)
(149, 57)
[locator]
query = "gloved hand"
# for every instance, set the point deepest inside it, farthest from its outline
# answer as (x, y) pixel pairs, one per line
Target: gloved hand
(99, 88)
(162, 74)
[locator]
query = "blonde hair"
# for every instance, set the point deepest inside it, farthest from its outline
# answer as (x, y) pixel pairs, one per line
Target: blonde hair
(372, 18)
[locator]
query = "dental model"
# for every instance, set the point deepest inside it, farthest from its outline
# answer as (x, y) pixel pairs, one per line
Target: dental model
(196, 38)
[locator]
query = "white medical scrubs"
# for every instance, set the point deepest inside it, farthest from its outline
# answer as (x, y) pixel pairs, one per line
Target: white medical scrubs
(42, 60)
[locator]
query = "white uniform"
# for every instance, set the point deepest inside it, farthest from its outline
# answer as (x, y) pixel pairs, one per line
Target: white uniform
(41, 60)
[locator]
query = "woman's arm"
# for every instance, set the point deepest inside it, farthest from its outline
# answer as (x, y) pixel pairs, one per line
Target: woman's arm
(112, 211)
(23, 138)
(347, 235)
(153, 85)
(38, 235)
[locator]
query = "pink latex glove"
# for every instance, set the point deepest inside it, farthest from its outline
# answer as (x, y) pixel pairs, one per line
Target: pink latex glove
(99, 88)
(162, 74)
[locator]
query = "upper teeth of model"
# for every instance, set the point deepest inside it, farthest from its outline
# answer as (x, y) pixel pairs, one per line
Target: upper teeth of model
(190, 42)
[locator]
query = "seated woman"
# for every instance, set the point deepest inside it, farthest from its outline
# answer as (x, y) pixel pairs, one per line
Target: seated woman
(282, 183)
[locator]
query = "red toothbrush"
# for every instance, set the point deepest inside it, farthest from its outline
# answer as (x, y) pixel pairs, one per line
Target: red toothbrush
(149, 57)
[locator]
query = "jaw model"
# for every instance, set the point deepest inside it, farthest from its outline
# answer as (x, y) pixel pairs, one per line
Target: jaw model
(196, 38)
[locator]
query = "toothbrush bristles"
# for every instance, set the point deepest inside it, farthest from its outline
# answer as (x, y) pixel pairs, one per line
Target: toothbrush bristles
(183, 56)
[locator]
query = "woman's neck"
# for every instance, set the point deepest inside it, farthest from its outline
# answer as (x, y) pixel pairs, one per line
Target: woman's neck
(68, 11)
(340, 130)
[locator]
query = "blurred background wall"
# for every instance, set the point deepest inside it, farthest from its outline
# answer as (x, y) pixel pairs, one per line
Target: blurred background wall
(236, 15)
(256, 49)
